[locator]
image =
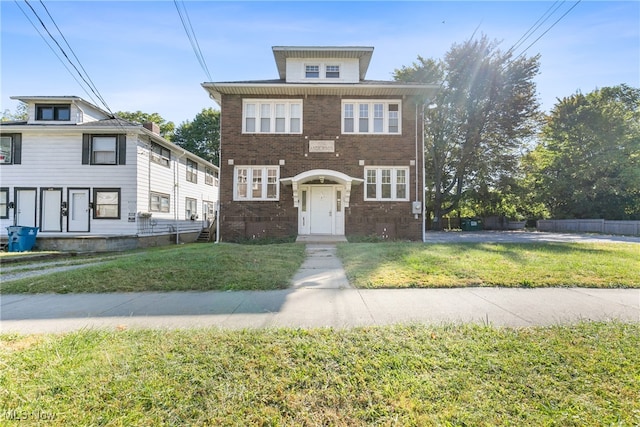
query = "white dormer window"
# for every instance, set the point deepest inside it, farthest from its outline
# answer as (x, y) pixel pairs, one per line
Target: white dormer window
(312, 71)
(332, 71)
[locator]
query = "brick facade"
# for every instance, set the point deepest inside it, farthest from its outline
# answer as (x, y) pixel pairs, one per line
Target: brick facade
(321, 121)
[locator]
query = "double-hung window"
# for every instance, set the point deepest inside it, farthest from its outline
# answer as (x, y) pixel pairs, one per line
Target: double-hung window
(371, 116)
(312, 71)
(106, 203)
(256, 183)
(159, 202)
(160, 155)
(332, 71)
(4, 202)
(10, 149)
(209, 176)
(387, 183)
(272, 116)
(104, 149)
(53, 112)
(192, 171)
(191, 208)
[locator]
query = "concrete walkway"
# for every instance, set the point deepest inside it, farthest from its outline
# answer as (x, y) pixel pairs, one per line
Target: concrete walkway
(320, 296)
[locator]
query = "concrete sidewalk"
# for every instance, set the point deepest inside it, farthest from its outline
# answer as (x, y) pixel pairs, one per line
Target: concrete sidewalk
(320, 296)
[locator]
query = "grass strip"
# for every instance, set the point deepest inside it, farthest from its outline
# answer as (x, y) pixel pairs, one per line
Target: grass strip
(188, 267)
(585, 374)
(406, 265)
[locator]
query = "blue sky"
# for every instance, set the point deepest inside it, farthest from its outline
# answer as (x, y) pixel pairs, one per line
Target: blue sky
(138, 55)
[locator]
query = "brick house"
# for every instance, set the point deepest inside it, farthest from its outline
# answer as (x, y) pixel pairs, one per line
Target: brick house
(321, 150)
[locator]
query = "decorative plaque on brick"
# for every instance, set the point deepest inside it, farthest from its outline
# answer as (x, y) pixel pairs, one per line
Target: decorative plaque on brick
(322, 146)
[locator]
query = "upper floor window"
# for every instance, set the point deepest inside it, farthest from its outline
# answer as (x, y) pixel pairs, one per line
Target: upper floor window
(209, 176)
(387, 183)
(256, 183)
(312, 71)
(332, 71)
(160, 155)
(371, 117)
(10, 149)
(272, 116)
(53, 112)
(104, 149)
(192, 171)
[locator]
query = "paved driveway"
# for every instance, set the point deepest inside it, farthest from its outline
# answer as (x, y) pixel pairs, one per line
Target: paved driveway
(523, 237)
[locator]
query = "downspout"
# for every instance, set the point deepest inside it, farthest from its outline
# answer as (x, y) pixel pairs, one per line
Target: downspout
(424, 183)
(218, 202)
(176, 194)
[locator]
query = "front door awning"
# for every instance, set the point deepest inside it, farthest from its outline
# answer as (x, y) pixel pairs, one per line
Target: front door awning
(322, 175)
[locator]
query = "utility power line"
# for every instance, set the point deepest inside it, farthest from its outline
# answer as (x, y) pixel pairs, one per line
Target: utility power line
(88, 83)
(548, 29)
(191, 35)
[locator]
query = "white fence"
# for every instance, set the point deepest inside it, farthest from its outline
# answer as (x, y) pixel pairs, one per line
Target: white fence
(631, 228)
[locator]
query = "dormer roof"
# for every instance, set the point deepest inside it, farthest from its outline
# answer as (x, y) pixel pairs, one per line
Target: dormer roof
(362, 53)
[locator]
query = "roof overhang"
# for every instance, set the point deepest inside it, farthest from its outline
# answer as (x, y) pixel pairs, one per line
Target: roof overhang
(362, 53)
(216, 90)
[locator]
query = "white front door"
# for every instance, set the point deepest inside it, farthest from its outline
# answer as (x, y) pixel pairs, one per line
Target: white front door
(78, 209)
(51, 204)
(321, 209)
(26, 207)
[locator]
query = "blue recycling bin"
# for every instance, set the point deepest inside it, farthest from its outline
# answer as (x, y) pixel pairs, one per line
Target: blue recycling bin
(21, 239)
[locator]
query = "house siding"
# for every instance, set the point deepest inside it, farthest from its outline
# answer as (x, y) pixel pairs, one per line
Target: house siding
(52, 159)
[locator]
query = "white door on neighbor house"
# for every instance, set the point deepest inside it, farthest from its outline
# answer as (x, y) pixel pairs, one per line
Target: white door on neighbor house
(51, 215)
(26, 207)
(78, 209)
(321, 214)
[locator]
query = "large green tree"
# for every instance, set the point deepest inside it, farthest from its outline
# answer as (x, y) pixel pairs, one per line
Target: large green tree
(166, 128)
(486, 109)
(587, 164)
(202, 135)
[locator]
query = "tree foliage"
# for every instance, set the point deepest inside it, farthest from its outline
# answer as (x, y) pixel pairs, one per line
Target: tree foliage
(587, 164)
(20, 113)
(166, 128)
(202, 135)
(486, 110)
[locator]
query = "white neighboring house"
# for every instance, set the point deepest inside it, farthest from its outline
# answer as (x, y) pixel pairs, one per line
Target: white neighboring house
(90, 181)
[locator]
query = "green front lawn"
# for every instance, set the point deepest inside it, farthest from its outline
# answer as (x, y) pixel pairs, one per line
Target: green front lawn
(581, 375)
(403, 265)
(177, 268)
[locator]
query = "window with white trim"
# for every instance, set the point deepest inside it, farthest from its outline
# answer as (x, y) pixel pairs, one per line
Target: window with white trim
(386, 183)
(192, 171)
(371, 117)
(312, 71)
(159, 202)
(271, 116)
(332, 72)
(256, 183)
(160, 154)
(190, 208)
(210, 176)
